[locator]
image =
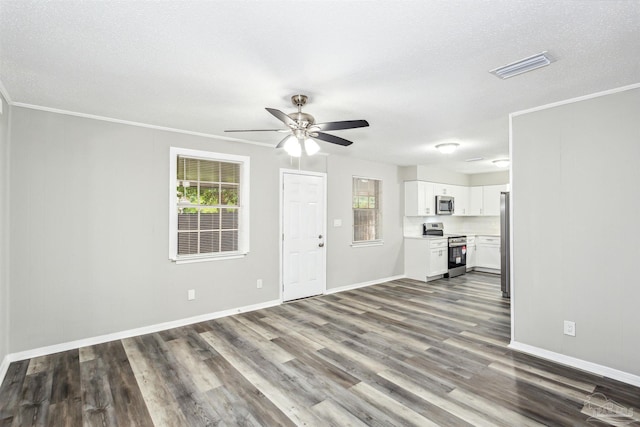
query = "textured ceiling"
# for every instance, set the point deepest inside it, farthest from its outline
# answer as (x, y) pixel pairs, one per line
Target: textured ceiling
(416, 70)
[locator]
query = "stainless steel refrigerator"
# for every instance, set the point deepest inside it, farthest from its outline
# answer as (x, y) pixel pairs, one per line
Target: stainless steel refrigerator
(505, 246)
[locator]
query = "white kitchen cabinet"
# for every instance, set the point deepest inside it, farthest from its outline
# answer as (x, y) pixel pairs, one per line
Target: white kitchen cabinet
(443, 189)
(475, 201)
(471, 252)
(425, 257)
(419, 198)
(461, 198)
(488, 252)
(491, 199)
(438, 262)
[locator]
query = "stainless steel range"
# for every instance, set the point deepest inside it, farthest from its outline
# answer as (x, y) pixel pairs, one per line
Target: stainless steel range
(457, 255)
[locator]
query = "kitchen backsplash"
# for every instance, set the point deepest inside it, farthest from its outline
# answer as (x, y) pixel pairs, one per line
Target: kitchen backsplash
(454, 224)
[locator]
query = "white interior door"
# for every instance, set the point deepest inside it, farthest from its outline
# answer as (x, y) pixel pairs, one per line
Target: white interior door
(303, 229)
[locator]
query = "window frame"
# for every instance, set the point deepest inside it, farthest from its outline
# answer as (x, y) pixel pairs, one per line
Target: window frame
(379, 223)
(243, 205)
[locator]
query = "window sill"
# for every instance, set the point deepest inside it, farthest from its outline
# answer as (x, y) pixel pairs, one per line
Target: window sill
(207, 259)
(367, 244)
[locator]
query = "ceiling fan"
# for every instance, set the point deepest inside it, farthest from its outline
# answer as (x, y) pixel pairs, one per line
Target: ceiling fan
(303, 129)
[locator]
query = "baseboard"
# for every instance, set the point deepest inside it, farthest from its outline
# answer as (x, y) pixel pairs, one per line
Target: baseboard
(485, 270)
(573, 362)
(43, 351)
(363, 284)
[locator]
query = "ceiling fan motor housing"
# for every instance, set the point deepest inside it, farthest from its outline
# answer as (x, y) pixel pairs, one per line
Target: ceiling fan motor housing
(303, 119)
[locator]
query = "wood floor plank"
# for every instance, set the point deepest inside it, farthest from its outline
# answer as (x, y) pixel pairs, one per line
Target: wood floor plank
(245, 396)
(391, 407)
(336, 416)
(286, 403)
(10, 390)
(97, 403)
(197, 369)
(193, 404)
(162, 406)
(128, 401)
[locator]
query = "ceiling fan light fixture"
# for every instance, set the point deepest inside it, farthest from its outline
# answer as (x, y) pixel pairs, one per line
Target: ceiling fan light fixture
(501, 163)
(311, 147)
(530, 63)
(447, 148)
(292, 147)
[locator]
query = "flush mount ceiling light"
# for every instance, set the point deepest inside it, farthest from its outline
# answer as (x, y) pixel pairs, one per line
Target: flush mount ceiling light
(447, 148)
(530, 63)
(501, 163)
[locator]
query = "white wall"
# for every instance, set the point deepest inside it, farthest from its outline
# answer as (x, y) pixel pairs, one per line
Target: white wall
(432, 174)
(4, 230)
(489, 178)
(347, 265)
(575, 225)
(89, 221)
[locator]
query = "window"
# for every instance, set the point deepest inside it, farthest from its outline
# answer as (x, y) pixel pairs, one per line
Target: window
(209, 205)
(367, 194)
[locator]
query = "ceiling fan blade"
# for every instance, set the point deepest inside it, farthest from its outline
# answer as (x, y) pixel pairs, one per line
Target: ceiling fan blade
(347, 124)
(282, 117)
(258, 130)
(331, 138)
(281, 143)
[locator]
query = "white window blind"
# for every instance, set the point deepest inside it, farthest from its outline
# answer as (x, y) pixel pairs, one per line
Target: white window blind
(209, 217)
(367, 195)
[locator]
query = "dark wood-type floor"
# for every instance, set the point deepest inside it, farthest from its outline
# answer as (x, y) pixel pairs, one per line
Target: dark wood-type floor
(399, 353)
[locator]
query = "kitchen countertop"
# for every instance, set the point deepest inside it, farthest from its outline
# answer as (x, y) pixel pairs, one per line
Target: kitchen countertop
(452, 234)
(425, 237)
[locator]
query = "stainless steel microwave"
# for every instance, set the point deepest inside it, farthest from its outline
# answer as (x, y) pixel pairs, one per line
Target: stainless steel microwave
(445, 205)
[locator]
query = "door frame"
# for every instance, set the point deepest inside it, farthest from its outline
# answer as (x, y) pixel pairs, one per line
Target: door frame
(322, 175)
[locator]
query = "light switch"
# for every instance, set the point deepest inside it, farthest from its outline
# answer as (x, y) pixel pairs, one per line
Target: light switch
(337, 223)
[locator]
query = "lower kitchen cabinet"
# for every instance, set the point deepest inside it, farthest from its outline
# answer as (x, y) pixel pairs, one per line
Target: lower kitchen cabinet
(425, 257)
(488, 252)
(471, 252)
(438, 263)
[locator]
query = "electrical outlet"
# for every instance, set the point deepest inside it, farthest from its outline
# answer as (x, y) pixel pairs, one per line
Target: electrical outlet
(570, 328)
(191, 294)
(259, 283)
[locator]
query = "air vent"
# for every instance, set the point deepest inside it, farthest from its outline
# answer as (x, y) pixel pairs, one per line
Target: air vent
(531, 63)
(474, 159)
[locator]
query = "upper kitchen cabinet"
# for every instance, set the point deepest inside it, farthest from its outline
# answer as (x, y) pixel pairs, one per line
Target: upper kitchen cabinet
(419, 198)
(443, 189)
(475, 201)
(491, 199)
(461, 199)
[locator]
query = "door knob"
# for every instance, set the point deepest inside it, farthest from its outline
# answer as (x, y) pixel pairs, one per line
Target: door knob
(320, 236)
(321, 244)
